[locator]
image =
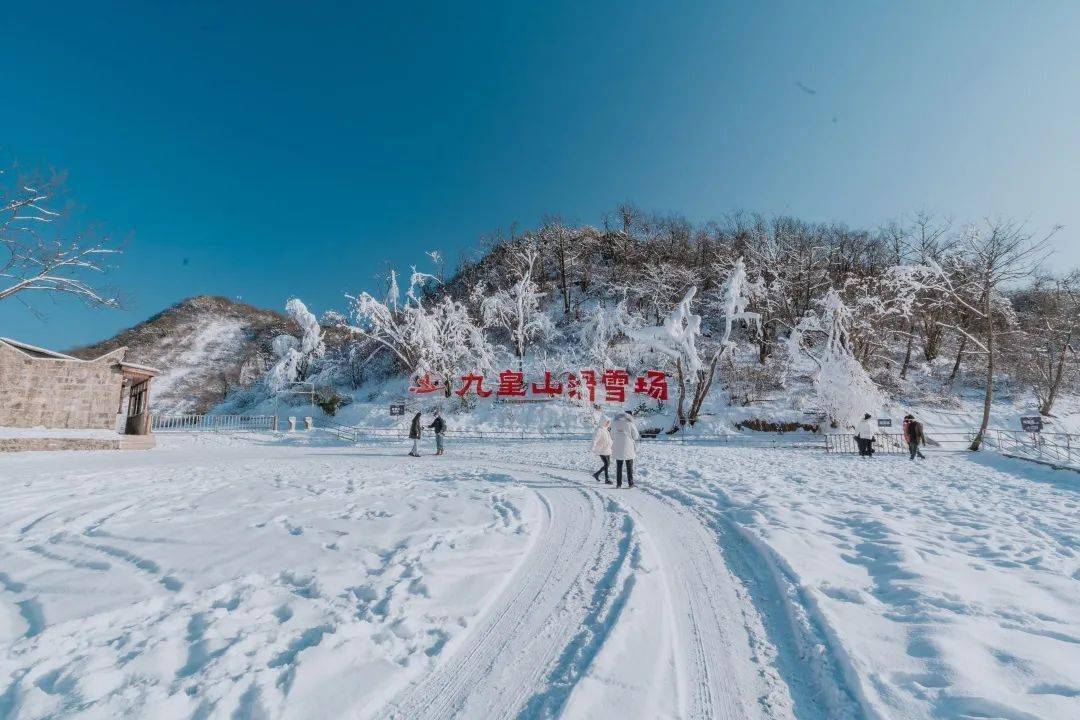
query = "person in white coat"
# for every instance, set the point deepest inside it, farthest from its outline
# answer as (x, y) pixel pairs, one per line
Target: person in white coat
(624, 437)
(601, 445)
(864, 436)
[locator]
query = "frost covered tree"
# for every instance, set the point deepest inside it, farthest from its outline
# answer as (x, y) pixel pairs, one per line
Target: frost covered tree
(1046, 352)
(458, 344)
(517, 309)
(296, 356)
(606, 337)
(986, 259)
(37, 256)
(678, 336)
(844, 389)
(389, 325)
(425, 335)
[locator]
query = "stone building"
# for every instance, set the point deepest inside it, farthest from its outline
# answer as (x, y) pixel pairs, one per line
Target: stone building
(41, 389)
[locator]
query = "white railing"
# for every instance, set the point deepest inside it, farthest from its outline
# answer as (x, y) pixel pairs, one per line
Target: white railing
(1057, 449)
(198, 423)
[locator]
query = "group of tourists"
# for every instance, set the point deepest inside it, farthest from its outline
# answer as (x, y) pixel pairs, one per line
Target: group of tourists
(416, 429)
(912, 431)
(617, 439)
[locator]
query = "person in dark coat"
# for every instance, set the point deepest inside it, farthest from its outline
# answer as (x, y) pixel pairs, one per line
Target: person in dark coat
(414, 435)
(913, 434)
(439, 426)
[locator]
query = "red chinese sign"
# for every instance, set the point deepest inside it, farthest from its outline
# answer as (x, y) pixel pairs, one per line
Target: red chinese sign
(613, 385)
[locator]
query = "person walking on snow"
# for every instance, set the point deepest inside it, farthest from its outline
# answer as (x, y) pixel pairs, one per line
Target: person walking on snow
(414, 435)
(439, 426)
(864, 436)
(601, 445)
(913, 434)
(624, 437)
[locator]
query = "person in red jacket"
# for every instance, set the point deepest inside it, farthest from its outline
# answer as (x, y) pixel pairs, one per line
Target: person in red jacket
(913, 434)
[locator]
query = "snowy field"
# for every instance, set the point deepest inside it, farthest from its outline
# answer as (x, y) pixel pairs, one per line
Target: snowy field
(216, 577)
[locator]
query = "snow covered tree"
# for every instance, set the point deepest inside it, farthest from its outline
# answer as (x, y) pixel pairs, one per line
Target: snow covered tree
(402, 330)
(457, 344)
(678, 338)
(1049, 315)
(427, 336)
(606, 337)
(517, 309)
(987, 259)
(36, 255)
(844, 389)
(296, 355)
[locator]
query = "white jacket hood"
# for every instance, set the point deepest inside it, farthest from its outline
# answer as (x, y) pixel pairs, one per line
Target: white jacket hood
(624, 435)
(601, 441)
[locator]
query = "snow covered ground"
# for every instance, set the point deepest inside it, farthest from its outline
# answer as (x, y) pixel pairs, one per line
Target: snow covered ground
(250, 577)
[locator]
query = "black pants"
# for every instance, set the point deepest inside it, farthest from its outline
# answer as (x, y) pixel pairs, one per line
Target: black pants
(629, 472)
(913, 448)
(606, 459)
(866, 446)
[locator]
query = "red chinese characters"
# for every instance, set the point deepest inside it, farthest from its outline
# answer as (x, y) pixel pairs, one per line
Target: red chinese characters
(549, 388)
(583, 388)
(511, 384)
(615, 382)
(425, 385)
(468, 382)
(582, 385)
(654, 384)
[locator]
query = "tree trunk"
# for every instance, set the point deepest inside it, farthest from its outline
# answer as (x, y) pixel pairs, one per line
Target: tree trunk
(959, 355)
(564, 283)
(764, 346)
(701, 391)
(988, 398)
(907, 352)
(680, 409)
(1059, 373)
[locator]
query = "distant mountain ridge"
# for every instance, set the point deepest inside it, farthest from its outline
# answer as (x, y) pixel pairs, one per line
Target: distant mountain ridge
(206, 346)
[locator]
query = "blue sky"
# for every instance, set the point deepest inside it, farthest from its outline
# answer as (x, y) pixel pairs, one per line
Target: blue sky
(266, 150)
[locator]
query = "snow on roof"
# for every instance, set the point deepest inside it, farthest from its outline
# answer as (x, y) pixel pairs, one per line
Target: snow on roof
(140, 368)
(35, 351)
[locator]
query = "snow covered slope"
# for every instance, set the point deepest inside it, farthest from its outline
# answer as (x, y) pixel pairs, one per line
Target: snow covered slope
(221, 577)
(207, 346)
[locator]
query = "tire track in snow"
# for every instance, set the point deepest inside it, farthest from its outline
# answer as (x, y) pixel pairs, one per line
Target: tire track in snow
(717, 664)
(531, 638)
(733, 611)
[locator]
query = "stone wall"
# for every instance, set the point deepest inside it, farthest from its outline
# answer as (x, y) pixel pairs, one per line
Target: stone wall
(57, 393)
(120, 442)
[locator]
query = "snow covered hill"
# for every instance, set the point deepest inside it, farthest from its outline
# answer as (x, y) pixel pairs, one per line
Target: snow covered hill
(207, 346)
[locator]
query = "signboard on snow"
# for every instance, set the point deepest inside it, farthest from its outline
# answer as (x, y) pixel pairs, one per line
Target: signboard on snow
(884, 422)
(1031, 423)
(815, 417)
(397, 410)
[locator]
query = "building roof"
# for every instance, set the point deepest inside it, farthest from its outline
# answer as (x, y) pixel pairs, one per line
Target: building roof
(39, 353)
(36, 352)
(139, 369)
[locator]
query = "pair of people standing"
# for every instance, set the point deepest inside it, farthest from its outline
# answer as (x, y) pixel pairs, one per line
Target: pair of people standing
(616, 438)
(912, 432)
(416, 430)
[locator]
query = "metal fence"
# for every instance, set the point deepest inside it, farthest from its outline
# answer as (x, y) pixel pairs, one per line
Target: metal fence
(894, 443)
(355, 433)
(1057, 449)
(195, 423)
